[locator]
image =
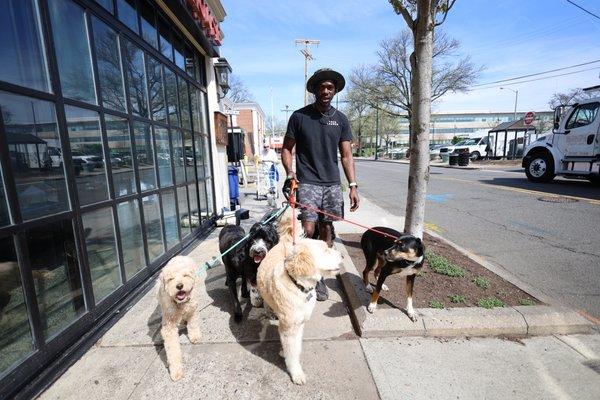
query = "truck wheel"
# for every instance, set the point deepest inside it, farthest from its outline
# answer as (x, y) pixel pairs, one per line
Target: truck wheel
(474, 156)
(540, 168)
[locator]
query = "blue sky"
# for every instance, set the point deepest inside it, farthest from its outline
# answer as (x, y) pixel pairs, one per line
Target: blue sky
(508, 38)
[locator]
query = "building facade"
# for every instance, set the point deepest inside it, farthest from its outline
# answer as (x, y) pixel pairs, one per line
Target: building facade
(251, 119)
(106, 156)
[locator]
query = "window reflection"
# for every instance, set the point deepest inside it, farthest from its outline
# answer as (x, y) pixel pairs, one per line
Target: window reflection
(166, 48)
(148, 24)
(101, 250)
(184, 103)
(184, 212)
(199, 156)
(132, 243)
(179, 156)
(157, 99)
(205, 144)
(153, 224)
(209, 197)
(194, 214)
(108, 4)
(178, 51)
(203, 200)
(53, 259)
(121, 158)
(127, 14)
(172, 103)
(4, 215)
(163, 156)
(145, 155)
(189, 156)
(170, 214)
(109, 66)
(15, 332)
(35, 155)
(72, 50)
(195, 108)
(136, 76)
(22, 49)
(88, 159)
(203, 114)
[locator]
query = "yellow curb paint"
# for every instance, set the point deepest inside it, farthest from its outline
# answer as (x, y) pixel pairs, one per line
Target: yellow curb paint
(433, 227)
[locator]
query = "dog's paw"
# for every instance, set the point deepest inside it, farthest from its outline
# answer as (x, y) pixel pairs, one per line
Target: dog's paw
(195, 337)
(298, 377)
(413, 316)
(372, 307)
(369, 288)
(384, 287)
(176, 373)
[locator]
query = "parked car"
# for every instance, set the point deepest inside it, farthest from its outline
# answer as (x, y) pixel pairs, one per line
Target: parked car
(477, 147)
(396, 154)
(434, 150)
(88, 161)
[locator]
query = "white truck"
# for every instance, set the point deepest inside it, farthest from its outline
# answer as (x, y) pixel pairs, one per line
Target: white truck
(573, 148)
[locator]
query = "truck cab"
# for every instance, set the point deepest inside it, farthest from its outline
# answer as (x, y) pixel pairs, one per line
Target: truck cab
(573, 148)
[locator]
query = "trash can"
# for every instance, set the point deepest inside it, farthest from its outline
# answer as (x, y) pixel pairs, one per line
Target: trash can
(463, 159)
(234, 187)
(453, 160)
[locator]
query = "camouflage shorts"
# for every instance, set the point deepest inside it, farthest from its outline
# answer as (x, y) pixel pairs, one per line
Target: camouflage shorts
(326, 198)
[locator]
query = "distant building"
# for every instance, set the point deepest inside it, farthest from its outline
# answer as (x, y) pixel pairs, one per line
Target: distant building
(251, 119)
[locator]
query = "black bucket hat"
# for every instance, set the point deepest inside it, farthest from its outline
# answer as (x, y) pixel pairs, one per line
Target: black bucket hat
(325, 74)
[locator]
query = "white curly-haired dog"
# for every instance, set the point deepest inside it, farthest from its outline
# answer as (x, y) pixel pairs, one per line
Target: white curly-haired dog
(178, 298)
(286, 280)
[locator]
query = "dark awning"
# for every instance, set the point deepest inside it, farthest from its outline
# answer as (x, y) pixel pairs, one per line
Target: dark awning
(23, 138)
(518, 125)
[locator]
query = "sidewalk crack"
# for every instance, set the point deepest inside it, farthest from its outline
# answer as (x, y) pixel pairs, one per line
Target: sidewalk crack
(524, 319)
(137, 384)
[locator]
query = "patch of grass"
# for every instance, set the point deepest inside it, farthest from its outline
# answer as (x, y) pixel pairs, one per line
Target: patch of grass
(481, 282)
(489, 302)
(526, 302)
(436, 304)
(442, 266)
(458, 298)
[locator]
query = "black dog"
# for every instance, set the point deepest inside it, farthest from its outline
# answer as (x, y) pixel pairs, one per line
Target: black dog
(243, 261)
(403, 256)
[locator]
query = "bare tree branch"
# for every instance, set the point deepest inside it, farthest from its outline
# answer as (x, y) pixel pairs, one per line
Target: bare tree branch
(238, 92)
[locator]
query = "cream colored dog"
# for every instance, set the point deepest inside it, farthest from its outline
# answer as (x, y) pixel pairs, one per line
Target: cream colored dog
(178, 300)
(286, 281)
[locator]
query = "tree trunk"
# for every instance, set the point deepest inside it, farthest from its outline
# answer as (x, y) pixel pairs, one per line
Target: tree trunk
(421, 62)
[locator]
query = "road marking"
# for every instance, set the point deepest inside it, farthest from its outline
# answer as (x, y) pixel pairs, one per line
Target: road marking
(520, 190)
(430, 226)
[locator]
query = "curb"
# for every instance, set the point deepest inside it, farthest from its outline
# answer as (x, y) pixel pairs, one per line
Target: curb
(515, 321)
(431, 165)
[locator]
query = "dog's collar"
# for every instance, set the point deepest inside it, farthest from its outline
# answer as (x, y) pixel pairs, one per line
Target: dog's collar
(303, 288)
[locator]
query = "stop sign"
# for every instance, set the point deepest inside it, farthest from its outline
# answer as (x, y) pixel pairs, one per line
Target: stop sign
(529, 118)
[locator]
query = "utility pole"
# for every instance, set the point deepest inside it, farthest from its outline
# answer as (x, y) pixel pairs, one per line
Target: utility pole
(376, 132)
(307, 56)
(286, 111)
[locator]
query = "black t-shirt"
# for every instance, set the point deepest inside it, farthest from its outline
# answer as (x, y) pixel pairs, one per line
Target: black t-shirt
(317, 140)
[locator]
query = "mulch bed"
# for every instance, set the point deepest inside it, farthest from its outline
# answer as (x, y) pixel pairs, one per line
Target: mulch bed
(434, 287)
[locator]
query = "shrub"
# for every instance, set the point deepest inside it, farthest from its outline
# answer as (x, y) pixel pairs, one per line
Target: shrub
(458, 298)
(526, 302)
(489, 302)
(442, 266)
(436, 304)
(481, 282)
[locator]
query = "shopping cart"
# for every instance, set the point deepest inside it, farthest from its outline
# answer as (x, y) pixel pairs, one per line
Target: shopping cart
(266, 185)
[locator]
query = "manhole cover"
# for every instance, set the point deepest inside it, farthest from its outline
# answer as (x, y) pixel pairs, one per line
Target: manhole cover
(557, 199)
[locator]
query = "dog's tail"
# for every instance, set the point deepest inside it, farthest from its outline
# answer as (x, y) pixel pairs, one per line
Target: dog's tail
(286, 226)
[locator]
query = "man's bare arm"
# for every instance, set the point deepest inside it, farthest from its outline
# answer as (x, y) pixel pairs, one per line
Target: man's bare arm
(348, 165)
(286, 156)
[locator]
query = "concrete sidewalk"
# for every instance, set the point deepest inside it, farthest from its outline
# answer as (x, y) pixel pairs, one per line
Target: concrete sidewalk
(241, 361)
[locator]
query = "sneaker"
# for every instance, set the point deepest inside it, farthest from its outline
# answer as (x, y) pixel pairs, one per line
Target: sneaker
(322, 291)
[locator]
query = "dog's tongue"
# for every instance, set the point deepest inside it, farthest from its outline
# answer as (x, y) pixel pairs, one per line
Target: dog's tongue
(180, 295)
(258, 259)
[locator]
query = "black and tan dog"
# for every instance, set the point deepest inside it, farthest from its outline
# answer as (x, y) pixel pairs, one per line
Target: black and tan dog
(402, 256)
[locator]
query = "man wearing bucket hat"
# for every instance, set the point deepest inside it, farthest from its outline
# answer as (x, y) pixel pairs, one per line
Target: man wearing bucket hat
(318, 131)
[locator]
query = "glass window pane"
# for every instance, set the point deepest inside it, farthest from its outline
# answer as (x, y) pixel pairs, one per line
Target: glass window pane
(35, 155)
(127, 14)
(22, 48)
(203, 204)
(108, 4)
(136, 76)
(163, 156)
(155, 83)
(153, 226)
(101, 247)
(85, 137)
(190, 62)
(121, 157)
(170, 214)
(184, 212)
(148, 23)
(15, 332)
(178, 51)
(194, 215)
(145, 155)
(194, 100)
(53, 256)
(203, 113)
(209, 197)
(184, 104)
(199, 156)
(172, 104)
(4, 215)
(179, 156)
(207, 172)
(166, 48)
(108, 59)
(72, 50)
(201, 71)
(189, 156)
(132, 242)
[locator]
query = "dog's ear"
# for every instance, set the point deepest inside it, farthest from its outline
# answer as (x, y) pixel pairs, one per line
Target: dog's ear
(300, 262)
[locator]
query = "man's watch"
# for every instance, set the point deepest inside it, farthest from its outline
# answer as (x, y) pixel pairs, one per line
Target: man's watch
(353, 184)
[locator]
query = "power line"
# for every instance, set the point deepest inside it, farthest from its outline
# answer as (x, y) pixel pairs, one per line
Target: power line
(578, 6)
(538, 79)
(537, 73)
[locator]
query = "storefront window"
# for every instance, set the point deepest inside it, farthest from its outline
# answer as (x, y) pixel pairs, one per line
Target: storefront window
(109, 66)
(179, 156)
(178, 51)
(35, 155)
(172, 104)
(72, 50)
(209, 197)
(132, 243)
(157, 99)
(101, 247)
(203, 203)
(189, 156)
(184, 103)
(148, 23)
(194, 215)
(136, 75)
(107, 4)
(4, 216)
(15, 329)
(145, 155)
(85, 137)
(153, 224)
(184, 212)
(53, 257)
(21, 48)
(127, 14)
(195, 102)
(207, 172)
(203, 114)
(170, 214)
(121, 158)
(199, 156)
(166, 48)
(163, 156)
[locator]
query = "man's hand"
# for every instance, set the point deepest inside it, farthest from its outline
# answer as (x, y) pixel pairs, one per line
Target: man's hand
(289, 186)
(354, 198)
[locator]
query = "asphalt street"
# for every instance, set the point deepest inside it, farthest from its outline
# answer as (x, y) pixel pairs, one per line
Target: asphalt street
(550, 242)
